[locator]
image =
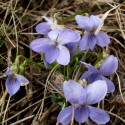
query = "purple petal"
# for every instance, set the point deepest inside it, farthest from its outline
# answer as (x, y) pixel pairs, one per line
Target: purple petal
(53, 35)
(95, 21)
(65, 116)
(93, 77)
(86, 74)
(68, 36)
(81, 114)
(40, 45)
(8, 72)
(43, 28)
(52, 54)
(109, 65)
(12, 85)
(98, 115)
(64, 56)
(96, 91)
(22, 80)
(83, 43)
(110, 84)
(102, 39)
(78, 37)
(72, 47)
(84, 22)
(92, 40)
(74, 92)
(49, 20)
(90, 67)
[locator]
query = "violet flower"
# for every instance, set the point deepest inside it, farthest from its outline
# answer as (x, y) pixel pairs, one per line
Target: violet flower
(72, 47)
(14, 81)
(46, 27)
(89, 40)
(108, 66)
(54, 46)
(81, 99)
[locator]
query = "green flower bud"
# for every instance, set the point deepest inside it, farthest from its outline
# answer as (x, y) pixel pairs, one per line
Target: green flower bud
(100, 59)
(22, 67)
(14, 68)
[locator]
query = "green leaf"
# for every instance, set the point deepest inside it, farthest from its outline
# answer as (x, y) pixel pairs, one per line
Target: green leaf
(53, 97)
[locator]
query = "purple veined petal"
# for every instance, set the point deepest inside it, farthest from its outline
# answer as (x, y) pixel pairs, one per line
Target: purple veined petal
(22, 80)
(64, 56)
(74, 92)
(68, 36)
(109, 65)
(92, 41)
(86, 74)
(84, 22)
(43, 28)
(96, 91)
(98, 115)
(40, 45)
(12, 85)
(72, 47)
(53, 35)
(90, 67)
(81, 114)
(52, 54)
(102, 39)
(84, 43)
(95, 20)
(8, 72)
(93, 77)
(110, 84)
(65, 116)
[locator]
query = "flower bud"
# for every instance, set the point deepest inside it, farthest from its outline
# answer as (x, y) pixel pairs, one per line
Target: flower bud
(22, 67)
(14, 68)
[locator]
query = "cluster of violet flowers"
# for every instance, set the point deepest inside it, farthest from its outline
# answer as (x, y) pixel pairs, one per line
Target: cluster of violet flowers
(59, 44)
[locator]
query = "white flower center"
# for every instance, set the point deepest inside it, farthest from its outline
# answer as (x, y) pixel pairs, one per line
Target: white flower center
(56, 43)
